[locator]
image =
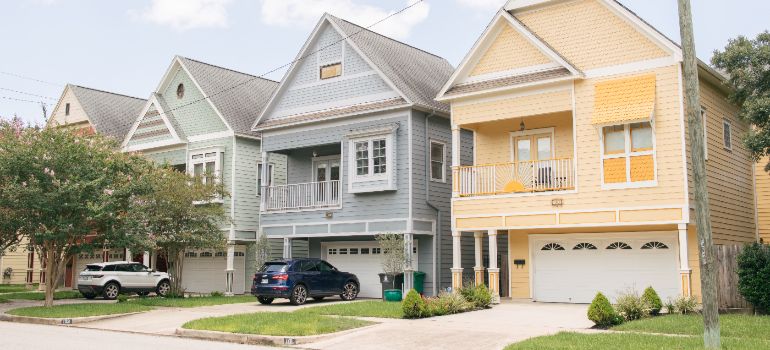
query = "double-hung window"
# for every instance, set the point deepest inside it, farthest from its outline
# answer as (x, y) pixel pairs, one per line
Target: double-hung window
(259, 177)
(437, 161)
(206, 164)
(727, 134)
(371, 157)
(628, 155)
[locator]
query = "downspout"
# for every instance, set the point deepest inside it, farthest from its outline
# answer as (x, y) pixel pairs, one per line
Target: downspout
(437, 234)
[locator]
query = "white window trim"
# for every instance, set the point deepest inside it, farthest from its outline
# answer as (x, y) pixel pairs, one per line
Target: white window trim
(531, 132)
(320, 64)
(271, 169)
(727, 123)
(627, 154)
(443, 161)
(371, 176)
(218, 162)
(704, 120)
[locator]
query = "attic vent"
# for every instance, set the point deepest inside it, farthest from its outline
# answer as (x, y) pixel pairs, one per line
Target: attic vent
(331, 70)
(180, 91)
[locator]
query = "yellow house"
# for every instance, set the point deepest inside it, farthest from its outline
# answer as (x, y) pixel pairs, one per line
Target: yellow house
(762, 195)
(580, 164)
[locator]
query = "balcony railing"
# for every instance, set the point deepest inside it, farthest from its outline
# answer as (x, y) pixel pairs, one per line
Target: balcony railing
(304, 196)
(514, 177)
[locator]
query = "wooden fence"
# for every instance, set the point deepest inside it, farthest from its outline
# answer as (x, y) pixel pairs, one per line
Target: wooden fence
(727, 278)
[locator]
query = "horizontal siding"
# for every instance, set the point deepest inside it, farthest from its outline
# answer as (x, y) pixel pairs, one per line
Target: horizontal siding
(511, 107)
(193, 113)
(763, 199)
(494, 138)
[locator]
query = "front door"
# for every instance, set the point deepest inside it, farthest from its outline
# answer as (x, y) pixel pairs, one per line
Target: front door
(326, 176)
(532, 154)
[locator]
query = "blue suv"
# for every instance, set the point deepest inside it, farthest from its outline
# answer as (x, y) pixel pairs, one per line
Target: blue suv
(300, 279)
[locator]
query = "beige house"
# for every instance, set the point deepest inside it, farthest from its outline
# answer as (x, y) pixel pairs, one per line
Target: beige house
(581, 160)
(92, 110)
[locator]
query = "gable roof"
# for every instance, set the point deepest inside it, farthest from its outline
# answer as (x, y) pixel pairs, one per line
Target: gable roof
(414, 74)
(109, 113)
(239, 97)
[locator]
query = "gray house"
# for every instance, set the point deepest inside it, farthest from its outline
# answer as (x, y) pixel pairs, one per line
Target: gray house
(366, 151)
(199, 120)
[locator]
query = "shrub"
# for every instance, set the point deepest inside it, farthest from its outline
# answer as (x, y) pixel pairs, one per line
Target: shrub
(122, 298)
(631, 306)
(669, 306)
(686, 305)
(754, 275)
(413, 305)
(601, 312)
(216, 294)
(479, 296)
(653, 301)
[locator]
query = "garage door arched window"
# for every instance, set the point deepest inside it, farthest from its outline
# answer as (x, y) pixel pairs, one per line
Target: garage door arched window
(552, 246)
(654, 245)
(618, 245)
(584, 245)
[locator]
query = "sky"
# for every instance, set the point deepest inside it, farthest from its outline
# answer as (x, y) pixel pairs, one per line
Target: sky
(126, 46)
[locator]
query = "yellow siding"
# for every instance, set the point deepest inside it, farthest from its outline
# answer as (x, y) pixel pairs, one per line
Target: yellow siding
(601, 217)
(479, 222)
(669, 191)
(693, 261)
(530, 220)
(17, 260)
(589, 35)
(518, 248)
(646, 214)
(729, 172)
(614, 170)
(509, 51)
(642, 168)
(513, 107)
(493, 139)
(77, 114)
(763, 199)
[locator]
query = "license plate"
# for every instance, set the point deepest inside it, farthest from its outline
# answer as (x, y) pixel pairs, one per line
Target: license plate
(85, 278)
(264, 281)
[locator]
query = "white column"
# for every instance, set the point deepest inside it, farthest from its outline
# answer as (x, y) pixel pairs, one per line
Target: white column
(146, 259)
(684, 264)
(129, 257)
(264, 173)
(408, 268)
(287, 248)
(494, 271)
(478, 269)
(457, 269)
(456, 136)
(230, 270)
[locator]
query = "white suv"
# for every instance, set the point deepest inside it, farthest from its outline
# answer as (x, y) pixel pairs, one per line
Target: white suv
(112, 278)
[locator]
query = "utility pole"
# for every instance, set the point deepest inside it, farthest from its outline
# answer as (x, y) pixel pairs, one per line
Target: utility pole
(708, 272)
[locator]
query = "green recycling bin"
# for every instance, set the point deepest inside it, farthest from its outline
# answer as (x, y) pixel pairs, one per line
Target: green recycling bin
(419, 281)
(393, 295)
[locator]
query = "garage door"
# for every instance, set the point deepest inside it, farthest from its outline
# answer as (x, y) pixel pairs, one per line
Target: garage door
(83, 260)
(361, 259)
(573, 268)
(204, 271)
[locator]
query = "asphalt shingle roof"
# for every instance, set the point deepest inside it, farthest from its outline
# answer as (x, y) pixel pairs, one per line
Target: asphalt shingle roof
(240, 97)
(110, 114)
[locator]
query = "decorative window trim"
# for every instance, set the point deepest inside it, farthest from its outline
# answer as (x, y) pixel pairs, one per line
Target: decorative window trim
(584, 246)
(727, 134)
(628, 154)
(654, 245)
(443, 145)
(552, 246)
(357, 183)
(270, 177)
(618, 245)
(203, 156)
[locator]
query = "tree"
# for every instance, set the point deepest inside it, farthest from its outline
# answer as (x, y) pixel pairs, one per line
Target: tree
(393, 253)
(179, 213)
(747, 64)
(64, 192)
(262, 247)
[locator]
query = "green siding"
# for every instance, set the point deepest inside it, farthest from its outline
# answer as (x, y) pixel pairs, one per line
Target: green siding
(192, 112)
(173, 157)
(247, 155)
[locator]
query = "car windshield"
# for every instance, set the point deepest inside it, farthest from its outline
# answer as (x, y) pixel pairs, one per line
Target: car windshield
(92, 268)
(273, 267)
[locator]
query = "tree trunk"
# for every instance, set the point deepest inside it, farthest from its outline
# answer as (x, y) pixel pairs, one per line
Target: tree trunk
(708, 271)
(176, 258)
(50, 267)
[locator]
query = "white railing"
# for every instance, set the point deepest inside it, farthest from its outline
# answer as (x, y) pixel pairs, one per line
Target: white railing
(514, 177)
(304, 196)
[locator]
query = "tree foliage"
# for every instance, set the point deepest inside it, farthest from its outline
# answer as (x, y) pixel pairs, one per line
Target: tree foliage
(179, 213)
(754, 275)
(747, 64)
(64, 192)
(393, 252)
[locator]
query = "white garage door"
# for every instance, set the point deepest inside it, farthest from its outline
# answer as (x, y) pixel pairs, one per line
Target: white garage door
(204, 271)
(361, 259)
(83, 260)
(573, 268)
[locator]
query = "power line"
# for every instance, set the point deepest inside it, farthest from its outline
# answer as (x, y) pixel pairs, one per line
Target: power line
(30, 79)
(23, 100)
(27, 93)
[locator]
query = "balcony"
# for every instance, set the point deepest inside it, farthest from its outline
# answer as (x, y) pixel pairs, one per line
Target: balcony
(514, 177)
(302, 196)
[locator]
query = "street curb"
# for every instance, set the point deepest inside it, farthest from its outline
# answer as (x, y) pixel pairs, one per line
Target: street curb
(256, 339)
(61, 321)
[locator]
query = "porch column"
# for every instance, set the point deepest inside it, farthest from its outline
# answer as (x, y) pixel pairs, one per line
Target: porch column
(457, 269)
(146, 259)
(287, 248)
(455, 159)
(408, 268)
(684, 264)
(479, 267)
(230, 271)
(494, 271)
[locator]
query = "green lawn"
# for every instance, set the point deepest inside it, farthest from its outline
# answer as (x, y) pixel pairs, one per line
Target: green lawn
(12, 288)
(65, 294)
(78, 310)
(193, 301)
(737, 326)
(277, 323)
(623, 341)
(3, 300)
(371, 308)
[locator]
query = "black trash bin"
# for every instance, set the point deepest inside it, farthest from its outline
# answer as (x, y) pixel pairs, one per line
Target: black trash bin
(390, 281)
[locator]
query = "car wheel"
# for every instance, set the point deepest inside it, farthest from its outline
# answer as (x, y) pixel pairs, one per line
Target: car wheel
(111, 291)
(89, 296)
(163, 288)
(318, 298)
(265, 300)
(298, 295)
(349, 291)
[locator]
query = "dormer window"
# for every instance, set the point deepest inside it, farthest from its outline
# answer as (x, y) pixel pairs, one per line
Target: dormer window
(331, 71)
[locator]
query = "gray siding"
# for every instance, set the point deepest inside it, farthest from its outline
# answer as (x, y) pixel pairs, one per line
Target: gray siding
(173, 157)
(193, 118)
(247, 155)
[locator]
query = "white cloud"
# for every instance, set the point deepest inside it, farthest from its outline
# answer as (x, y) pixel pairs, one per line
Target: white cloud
(187, 14)
(483, 5)
(304, 13)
